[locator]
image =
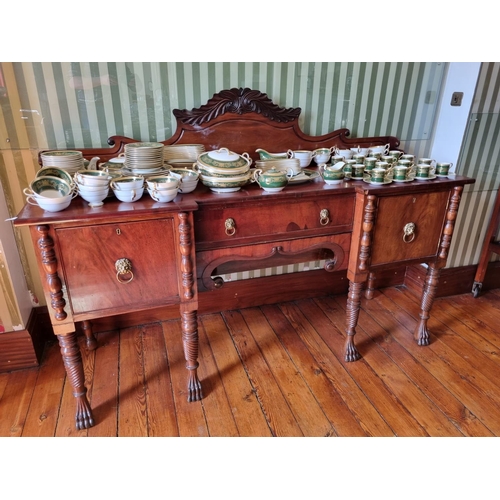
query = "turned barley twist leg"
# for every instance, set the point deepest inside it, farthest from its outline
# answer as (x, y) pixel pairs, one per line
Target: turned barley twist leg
(190, 343)
(431, 282)
(353, 305)
(72, 360)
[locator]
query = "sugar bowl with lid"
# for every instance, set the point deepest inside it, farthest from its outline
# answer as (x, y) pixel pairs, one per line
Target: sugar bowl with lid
(272, 180)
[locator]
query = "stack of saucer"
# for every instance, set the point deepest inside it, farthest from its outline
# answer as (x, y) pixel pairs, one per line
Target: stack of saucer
(143, 158)
(71, 161)
(182, 155)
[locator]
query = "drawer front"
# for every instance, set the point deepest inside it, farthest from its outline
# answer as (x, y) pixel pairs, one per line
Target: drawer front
(280, 220)
(426, 211)
(88, 256)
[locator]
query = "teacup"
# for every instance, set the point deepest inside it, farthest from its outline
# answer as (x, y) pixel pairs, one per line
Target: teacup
(377, 175)
(360, 151)
(383, 150)
(426, 161)
(382, 164)
(337, 159)
(408, 157)
(345, 153)
(304, 156)
(348, 168)
(400, 172)
(424, 171)
(360, 158)
(389, 159)
(358, 170)
(443, 168)
(370, 162)
(405, 163)
(396, 154)
(321, 155)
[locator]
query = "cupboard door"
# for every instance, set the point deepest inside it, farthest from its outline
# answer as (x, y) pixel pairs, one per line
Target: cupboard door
(89, 257)
(426, 211)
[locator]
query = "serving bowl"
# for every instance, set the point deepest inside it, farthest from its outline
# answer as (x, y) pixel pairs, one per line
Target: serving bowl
(188, 179)
(223, 158)
(94, 198)
(56, 172)
(127, 182)
(166, 181)
(93, 178)
(49, 187)
(51, 204)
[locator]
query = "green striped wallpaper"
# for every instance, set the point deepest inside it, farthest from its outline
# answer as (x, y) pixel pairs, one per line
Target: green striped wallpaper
(74, 105)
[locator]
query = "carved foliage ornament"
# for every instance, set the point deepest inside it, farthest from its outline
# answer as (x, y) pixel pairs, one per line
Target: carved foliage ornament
(237, 101)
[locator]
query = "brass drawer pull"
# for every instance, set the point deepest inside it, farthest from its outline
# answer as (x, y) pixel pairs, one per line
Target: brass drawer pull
(230, 226)
(409, 232)
(324, 217)
(124, 267)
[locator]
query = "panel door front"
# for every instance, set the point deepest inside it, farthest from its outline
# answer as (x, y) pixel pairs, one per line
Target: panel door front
(89, 254)
(426, 211)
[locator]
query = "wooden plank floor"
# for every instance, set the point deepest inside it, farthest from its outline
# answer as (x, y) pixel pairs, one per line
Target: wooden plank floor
(278, 370)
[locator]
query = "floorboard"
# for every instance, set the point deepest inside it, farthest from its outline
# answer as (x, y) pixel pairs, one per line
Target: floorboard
(279, 370)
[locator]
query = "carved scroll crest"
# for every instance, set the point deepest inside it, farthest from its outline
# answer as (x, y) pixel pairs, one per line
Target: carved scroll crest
(237, 101)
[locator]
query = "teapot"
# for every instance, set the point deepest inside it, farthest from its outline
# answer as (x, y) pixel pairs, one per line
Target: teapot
(273, 179)
(92, 164)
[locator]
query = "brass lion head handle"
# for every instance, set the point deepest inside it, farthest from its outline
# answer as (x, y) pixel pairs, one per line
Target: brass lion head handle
(409, 232)
(124, 268)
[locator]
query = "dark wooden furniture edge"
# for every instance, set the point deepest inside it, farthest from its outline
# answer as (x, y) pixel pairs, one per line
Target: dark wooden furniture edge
(21, 349)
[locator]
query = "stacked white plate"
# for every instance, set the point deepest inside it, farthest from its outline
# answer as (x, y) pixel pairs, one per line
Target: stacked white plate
(182, 155)
(68, 160)
(143, 157)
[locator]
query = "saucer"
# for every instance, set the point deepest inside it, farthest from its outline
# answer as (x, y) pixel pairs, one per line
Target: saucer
(430, 178)
(405, 180)
(388, 181)
(441, 175)
(304, 176)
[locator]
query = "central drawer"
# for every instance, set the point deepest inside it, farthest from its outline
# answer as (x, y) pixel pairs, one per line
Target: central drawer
(260, 222)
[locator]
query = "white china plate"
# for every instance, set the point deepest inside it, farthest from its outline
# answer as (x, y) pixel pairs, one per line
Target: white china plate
(304, 176)
(430, 178)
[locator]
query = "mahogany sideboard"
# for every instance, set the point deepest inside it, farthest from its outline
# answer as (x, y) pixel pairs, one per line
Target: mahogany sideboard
(177, 251)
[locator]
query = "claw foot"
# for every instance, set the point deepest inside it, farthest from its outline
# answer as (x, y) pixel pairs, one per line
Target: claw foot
(83, 417)
(194, 388)
(351, 353)
(422, 334)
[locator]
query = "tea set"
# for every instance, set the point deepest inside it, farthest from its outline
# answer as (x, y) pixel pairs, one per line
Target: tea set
(221, 170)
